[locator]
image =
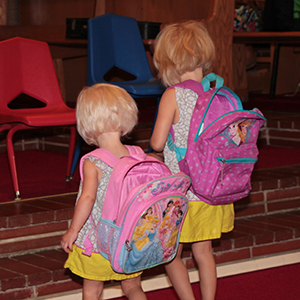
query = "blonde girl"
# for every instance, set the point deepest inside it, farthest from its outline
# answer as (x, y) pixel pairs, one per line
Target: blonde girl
(184, 51)
(104, 114)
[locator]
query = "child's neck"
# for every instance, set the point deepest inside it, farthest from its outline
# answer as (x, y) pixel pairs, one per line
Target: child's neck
(111, 141)
(196, 75)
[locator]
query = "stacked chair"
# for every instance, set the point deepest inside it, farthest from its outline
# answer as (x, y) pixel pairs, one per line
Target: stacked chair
(26, 68)
(115, 41)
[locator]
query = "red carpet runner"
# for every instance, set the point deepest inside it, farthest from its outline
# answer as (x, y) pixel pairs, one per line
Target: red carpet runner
(280, 283)
(40, 173)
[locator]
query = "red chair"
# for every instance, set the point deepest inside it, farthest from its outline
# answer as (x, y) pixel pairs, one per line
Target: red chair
(26, 67)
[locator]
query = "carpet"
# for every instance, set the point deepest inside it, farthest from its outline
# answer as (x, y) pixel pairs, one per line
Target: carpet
(270, 284)
(42, 173)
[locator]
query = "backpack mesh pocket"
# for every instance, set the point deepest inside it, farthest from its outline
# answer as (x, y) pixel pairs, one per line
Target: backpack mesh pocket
(108, 236)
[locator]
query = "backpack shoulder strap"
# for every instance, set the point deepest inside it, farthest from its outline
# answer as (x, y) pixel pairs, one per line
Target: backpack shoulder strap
(133, 150)
(105, 155)
(108, 157)
(199, 88)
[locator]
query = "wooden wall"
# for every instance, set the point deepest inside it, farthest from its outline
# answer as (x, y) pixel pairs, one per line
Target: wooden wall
(163, 11)
(54, 12)
(42, 12)
(3, 12)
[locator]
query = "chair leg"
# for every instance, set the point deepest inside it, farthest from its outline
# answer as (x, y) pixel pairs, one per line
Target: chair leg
(5, 127)
(71, 152)
(12, 161)
(150, 150)
(274, 71)
(77, 154)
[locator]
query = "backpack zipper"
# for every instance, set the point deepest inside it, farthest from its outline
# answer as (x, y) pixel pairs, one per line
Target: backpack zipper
(233, 160)
(222, 172)
(236, 160)
(201, 130)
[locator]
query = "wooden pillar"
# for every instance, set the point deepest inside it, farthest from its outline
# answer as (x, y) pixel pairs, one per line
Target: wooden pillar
(99, 7)
(220, 27)
(240, 83)
(3, 12)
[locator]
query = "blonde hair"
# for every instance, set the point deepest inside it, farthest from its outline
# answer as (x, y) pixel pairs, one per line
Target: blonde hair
(180, 48)
(104, 108)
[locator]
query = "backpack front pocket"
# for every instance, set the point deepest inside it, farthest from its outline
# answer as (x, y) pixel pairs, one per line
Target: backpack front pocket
(155, 236)
(233, 179)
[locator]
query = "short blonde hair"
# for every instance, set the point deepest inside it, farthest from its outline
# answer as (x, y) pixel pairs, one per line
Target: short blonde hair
(180, 48)
(104, 108)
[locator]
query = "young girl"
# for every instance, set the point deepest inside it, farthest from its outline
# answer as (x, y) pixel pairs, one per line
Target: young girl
(104, 114)
(184, 51)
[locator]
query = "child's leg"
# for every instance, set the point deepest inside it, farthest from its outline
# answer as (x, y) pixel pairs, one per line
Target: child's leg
(179, 277)
(132, 289)
(92, 289)
(203, 254)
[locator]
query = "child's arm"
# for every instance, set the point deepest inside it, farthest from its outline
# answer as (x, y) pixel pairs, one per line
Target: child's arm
(168, 114)
(91, 177)
(157, 155)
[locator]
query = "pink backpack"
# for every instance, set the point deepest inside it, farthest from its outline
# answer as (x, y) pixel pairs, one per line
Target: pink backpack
(143, 211)
(222, 143)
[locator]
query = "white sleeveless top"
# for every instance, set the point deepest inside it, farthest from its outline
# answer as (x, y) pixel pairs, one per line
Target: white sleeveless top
(89, 228)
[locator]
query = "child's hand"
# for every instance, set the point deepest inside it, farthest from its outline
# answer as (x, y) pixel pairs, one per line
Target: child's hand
(68, 239)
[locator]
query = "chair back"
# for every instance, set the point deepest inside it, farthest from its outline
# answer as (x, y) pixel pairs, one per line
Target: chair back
(115, 41)
(26, 67)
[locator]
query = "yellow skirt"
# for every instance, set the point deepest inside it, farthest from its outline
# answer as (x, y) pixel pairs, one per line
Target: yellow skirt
(206, 222)
(94, 267)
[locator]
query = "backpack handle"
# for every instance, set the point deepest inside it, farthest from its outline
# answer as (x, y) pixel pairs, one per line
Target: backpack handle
(206, 81)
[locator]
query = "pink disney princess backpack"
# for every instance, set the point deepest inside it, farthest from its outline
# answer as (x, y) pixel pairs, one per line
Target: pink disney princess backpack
(222, 143)
(143, 211)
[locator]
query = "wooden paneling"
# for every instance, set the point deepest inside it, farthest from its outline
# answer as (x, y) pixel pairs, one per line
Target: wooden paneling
(220, 28)
(159, 10)
(3, 12)
(54, 12)
(239, 71)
